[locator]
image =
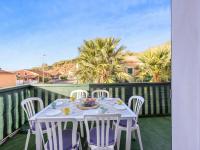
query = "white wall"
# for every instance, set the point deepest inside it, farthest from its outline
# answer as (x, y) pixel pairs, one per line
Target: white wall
(185, 74)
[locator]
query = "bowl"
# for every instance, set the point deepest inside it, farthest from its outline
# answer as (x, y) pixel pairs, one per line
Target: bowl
(89, 102)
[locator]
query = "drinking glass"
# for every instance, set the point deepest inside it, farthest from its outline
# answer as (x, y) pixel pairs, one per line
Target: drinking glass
(53, 105)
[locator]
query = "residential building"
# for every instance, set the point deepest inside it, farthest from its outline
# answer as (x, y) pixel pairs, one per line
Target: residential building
(7, 79)
(26, 76)
(131, 64)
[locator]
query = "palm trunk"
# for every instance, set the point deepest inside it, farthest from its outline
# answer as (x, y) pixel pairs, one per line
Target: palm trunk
(156, 78)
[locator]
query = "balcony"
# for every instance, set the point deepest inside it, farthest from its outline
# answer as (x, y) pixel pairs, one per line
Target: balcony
(155, 121)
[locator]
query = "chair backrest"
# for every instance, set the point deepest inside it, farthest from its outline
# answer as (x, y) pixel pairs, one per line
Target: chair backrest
(100, 93)
(136, 102)
(29, 104)
(56, 134)
(79, 94)
(103, 126)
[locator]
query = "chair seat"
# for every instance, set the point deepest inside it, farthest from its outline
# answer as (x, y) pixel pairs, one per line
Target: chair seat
(123, 123)
(43, 126)
(93, 136)
(67, 140)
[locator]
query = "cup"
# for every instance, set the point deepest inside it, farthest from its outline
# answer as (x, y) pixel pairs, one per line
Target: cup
(66, 110)
(119, 102)
(103, 109)
(72, 98)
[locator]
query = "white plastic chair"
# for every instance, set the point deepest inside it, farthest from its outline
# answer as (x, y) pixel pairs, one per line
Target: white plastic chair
(102, 137)
(136, 102)
(100, 93)
(78, 94)
(28, 106)
(57, 138)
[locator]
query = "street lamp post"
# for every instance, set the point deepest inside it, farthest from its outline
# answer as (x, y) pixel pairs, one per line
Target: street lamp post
(43, 68)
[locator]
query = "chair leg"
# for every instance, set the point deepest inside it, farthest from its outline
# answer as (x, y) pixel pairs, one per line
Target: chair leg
(27, 139)
(81, 127)
(139, 138)
(113, 125)
(133, 134)
(80, 145)
(65, 126)
(118, 139)
(92, 125)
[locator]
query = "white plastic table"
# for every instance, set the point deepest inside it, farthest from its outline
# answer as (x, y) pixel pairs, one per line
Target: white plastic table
(76, 113)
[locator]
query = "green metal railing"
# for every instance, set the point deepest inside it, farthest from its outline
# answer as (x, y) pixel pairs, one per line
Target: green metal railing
(12, 116)
(50, 92)
(157, 95)
(157, 99)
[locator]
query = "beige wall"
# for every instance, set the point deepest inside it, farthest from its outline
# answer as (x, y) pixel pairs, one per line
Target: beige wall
(7, 80)
(185, 75)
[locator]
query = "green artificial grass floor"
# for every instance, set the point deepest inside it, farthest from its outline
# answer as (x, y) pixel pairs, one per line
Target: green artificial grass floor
(156, 135)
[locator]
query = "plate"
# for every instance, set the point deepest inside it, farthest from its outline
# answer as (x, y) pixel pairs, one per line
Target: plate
(109, 99)
(53, 112)
(119, 107)
(58, 103)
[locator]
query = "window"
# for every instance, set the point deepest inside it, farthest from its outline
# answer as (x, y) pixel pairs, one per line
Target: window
(130, 70)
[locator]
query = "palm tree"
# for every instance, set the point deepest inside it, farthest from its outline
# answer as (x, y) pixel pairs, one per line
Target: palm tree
(156, 62)
(101, 61)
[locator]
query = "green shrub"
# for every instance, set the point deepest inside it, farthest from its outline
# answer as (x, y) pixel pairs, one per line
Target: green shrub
(63, 77)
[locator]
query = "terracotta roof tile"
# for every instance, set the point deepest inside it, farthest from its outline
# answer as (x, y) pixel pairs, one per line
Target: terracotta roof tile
(7, 72)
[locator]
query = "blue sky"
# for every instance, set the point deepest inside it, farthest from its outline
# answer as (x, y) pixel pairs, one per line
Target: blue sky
(31, 28)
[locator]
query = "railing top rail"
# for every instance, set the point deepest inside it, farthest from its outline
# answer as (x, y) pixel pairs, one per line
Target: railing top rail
(59, 85)
(135, 83)
(110, 84)
(7, 89)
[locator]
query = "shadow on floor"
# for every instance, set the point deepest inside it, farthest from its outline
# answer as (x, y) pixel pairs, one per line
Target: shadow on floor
(156, 135)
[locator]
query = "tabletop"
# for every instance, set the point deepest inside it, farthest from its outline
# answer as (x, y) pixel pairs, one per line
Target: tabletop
(107, 106)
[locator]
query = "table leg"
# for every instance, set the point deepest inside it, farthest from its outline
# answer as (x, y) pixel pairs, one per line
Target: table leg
(128, 134)
(38, 140)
